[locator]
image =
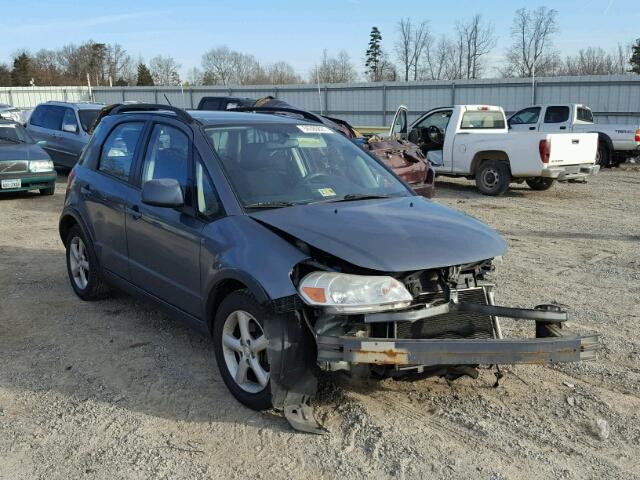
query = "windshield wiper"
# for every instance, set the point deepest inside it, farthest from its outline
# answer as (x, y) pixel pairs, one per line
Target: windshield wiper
(270, 205)
(12, 140)
(360, 196)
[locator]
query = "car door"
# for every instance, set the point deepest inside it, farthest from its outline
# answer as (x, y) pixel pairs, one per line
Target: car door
(525, 120)
(45, 123)
(556, 119)
(399, 126)
(107, 191)
(164, 243)
(429, 132)
(71, 140)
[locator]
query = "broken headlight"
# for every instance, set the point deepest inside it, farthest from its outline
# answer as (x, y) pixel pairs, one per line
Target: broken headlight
(344, 293)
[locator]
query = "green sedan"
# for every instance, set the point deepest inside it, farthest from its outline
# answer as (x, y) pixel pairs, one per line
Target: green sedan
(24, 165)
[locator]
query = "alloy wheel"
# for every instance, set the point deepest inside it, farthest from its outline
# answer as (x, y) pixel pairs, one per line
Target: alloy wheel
(244, 346)
(79, 262)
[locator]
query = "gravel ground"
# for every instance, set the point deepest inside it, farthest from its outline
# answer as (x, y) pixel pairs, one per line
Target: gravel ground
(115, 389)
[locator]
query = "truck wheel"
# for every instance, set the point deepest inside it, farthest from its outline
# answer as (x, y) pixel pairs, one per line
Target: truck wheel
(240, 345)
(603, 155)
(493, 177)
(539, 183)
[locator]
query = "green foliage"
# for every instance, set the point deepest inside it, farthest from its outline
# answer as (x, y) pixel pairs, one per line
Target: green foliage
(5, 75)
(373, 54)
(21, 73)
(635, 57)
(144, 76)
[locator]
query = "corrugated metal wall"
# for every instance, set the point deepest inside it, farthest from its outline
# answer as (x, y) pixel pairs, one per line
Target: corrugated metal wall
(614, 99)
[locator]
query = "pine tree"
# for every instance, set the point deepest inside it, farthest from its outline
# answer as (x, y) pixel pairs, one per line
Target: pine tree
(21, 73)
(144, 76)
(373, 55)
(635, 57)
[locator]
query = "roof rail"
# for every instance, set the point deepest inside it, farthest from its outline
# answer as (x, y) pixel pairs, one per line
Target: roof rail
(312, 117)
(150, 107)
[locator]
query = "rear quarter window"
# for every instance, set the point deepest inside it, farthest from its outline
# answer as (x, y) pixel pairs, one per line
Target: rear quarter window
(584, 115)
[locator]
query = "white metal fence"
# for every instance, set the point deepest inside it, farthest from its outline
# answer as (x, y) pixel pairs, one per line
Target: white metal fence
(614, 99)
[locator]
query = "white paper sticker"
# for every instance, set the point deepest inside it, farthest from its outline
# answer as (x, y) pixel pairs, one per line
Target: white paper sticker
(314, 129)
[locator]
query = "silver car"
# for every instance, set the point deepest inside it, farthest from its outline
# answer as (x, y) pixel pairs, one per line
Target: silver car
(65, 128)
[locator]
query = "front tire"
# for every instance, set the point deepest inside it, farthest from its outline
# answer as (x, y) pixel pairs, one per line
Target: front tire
(539, 183)
(240, 346)
(49, 190)
(603, 156)
(493, 177)
(82, 267)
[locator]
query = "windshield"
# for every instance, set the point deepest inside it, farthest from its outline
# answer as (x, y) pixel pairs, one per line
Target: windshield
(14, 133)
(87, 117)
(278, 165)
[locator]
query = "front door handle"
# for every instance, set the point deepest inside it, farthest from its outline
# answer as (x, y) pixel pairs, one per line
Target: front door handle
(532, 128)
(563, 128)
(134, 212)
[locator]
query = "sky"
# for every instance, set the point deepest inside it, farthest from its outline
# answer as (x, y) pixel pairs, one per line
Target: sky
(293, 31)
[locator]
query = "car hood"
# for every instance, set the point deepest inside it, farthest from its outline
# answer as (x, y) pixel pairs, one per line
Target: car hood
(22, 151)
(389, 235)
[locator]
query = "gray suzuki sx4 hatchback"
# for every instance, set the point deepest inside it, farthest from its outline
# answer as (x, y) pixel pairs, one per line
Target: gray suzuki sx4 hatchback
(295, 250)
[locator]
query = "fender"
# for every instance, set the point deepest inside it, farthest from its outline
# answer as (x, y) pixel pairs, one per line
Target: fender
(606, 138)
(67, 212)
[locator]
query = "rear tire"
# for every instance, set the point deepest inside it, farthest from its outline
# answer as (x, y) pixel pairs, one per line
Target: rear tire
(493, 177)
(240, 345)
(603, 156)
(49, 190)
(82, 267)
(539, 183)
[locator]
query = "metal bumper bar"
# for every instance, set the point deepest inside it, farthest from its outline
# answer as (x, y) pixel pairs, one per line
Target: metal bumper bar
(570, 348)
(571, 172)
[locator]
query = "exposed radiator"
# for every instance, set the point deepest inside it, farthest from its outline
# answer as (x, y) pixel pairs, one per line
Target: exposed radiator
(453, 324)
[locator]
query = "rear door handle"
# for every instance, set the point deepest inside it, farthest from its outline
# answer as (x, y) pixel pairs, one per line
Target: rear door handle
(134, 212)
(563, 128)
(532, 128)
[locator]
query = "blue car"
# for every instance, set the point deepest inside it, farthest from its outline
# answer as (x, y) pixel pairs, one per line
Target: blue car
(24, 165)
(65, 127)
(294, 249)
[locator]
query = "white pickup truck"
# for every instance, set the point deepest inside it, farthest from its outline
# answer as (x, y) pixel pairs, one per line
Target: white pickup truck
(473, 141)
(616, 143)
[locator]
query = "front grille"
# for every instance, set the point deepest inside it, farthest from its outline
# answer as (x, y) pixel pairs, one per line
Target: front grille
(14, 166)
(452, 324)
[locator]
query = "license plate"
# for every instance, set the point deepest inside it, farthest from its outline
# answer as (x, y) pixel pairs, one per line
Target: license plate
(17, 183)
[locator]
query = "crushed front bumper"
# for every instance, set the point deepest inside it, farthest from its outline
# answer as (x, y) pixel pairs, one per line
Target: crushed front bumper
(551, 344)
(569, 173)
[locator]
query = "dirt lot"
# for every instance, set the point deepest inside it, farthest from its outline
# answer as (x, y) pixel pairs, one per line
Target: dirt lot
(115, 389)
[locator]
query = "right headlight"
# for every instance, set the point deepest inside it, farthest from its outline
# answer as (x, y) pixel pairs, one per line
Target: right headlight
(345, 293)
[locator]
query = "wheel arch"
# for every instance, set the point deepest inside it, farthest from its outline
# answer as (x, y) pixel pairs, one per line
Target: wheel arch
(603, 137)
(485, 155)
(68, 219)
(227, 282)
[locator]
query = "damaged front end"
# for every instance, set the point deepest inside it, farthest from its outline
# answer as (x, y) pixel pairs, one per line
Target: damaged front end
(448, 325)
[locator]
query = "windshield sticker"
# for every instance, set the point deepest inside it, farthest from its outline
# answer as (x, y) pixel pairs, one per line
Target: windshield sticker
(327, 192)
(314, 129)
(311, 142)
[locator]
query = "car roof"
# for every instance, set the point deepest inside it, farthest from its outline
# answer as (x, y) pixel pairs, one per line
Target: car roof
(227, 117)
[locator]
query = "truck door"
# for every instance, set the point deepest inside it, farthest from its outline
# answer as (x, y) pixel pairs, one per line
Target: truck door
(525, 120)
(556, 119)
(429, 133)
(399, 125)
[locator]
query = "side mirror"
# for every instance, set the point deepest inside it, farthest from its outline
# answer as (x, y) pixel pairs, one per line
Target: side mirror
(41, 143)
(163, 192)
(70, 128)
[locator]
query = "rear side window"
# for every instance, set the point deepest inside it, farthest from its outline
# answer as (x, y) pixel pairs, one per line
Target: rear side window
(584, 115)
(48, 116)
(482, 120)
(558, 114)
(526, 116)
(210, 104)
(119, 150)
(167, 156)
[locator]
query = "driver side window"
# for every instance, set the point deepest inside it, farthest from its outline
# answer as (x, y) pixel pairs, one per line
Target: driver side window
(438, 119)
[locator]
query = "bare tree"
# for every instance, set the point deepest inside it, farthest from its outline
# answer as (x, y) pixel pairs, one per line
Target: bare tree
(164, 70)
(412, 43)
(475, 40)
(532, 50)
(596, 61)
(338, 69)
(280, 73)
(218, 65)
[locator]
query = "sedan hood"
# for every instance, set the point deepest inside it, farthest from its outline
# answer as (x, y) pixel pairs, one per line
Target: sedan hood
(389, 235)
(22, 151)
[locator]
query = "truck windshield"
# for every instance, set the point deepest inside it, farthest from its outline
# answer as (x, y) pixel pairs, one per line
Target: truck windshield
(482, 120)
(276, 165)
